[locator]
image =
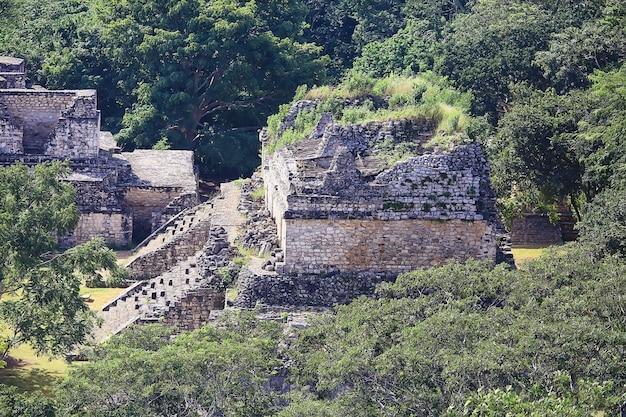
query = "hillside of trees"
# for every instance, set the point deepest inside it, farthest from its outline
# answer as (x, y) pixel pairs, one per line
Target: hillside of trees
(544, 83)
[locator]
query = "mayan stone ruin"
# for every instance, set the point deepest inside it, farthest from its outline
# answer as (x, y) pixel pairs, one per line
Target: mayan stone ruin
(338, 217)
(347, 219)
(338, 207)
(122, 196)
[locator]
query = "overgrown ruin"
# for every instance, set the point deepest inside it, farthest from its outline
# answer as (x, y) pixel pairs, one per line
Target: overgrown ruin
(348, 218)
(122, 196)
(340, 215)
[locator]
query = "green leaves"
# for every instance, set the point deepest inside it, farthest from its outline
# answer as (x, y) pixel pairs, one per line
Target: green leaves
(46, 309)
(454, 338)
(212, 371)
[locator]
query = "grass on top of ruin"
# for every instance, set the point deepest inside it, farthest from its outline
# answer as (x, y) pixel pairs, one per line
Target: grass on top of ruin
(425, 98)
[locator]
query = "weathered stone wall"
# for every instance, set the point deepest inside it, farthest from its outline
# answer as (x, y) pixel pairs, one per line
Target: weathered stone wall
(535, 229)
(115, 228)
(304, 290)
(183, 244)
(9, 64)
(11, 135)
(321, 246)
(57, 123)
(145, 203)
(12, 80)
(12, 72)
(76, 135)
(339, 206)
(193, 311)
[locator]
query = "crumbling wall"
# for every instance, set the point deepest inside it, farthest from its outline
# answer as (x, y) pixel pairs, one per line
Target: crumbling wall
(339, 206)
(193, 311)
(76, 135)
(115, 228)
(56, 123)
(145, 203)
(535, 229)
(12, 72)
(11, 135)
(304, 289)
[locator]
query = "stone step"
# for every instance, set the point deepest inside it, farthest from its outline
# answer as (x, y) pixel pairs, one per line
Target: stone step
(154, 297)
(145, 297)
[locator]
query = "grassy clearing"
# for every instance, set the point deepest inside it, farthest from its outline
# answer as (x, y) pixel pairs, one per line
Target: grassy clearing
(526, 253)
(100, 296)
(29, 372)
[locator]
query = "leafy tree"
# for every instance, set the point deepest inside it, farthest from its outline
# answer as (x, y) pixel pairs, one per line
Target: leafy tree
(14, 404)
(213, 371)
(44, 309)
(32, 30)
(601, 135)
(594, 41)
(410, 50)
(534, 158)
(587, 399)
(604, 221)
(603, 151)
(494, 46)
(437, 337)
(206, 67)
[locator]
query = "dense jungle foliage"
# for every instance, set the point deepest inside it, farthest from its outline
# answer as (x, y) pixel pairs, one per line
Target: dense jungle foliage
(542, 85)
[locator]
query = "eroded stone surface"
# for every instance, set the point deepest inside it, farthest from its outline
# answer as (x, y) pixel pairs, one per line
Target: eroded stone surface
(340, 208)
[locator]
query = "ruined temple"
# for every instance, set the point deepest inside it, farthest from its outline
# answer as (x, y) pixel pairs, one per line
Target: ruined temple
(348, 217)
(339, 207)
(122, 196)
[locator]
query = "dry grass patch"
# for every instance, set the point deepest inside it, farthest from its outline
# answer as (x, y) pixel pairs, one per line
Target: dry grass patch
(526, 253)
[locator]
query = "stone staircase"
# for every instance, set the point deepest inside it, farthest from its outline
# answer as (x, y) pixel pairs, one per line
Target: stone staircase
(149, 299)
(182, 237)
(168, 269)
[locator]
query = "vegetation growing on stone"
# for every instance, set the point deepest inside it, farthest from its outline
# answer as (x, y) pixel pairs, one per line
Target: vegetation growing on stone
(540, 85)
(362, 99)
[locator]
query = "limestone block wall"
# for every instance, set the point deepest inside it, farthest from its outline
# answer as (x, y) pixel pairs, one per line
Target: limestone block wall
(115, 228)
(12, 80)
(321, 246)
(11, 136)
(305, 289)
(535, 229)
(143, 202)
(76, 134)
(12, 72)
(11, 64)
(193, 311)
(40, 113)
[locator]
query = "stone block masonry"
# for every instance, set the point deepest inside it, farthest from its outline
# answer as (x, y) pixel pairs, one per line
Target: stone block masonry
(54, 123)
(305, 290)
(115, 228)
(535, 229)
(194, 311)
(323, 246)
(340, 206)
(121, 196)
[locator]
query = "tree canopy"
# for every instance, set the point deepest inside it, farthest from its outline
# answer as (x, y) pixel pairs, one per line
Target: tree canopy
(39, 285)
